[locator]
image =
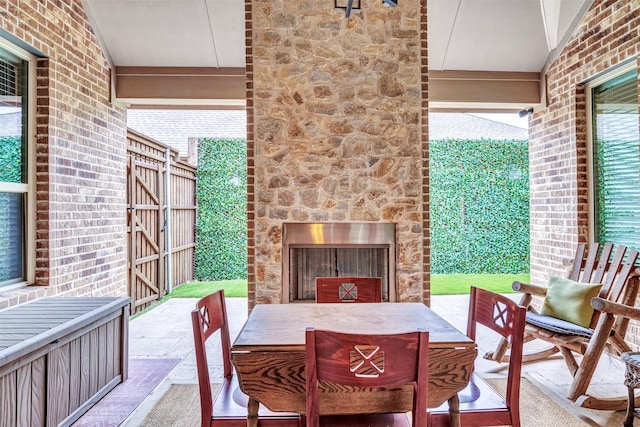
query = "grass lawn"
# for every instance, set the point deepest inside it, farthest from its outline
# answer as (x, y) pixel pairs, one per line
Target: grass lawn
(458, 284)
(232, 288)
(441, 284)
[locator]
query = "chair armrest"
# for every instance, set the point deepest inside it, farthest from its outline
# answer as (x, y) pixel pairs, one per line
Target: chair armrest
(615, 308)
(528, 288)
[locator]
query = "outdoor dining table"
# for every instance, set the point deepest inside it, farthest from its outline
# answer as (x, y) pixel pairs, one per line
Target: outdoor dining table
(269, 356)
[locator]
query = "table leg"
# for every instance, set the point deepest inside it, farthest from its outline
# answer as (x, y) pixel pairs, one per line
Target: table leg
(454, 410)
(252, 412)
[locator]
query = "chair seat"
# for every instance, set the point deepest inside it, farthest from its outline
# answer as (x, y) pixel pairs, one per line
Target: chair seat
(475, 399)
(366, 420)
(230, 409)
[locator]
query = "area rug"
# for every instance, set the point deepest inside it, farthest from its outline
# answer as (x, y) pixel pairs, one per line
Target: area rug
(180, 407)
(115, 407)
(536, 407)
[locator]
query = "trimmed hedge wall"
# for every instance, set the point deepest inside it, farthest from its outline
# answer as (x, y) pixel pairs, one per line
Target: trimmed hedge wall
(479, 207)
(479, 203)
(221, 230)
(11, 159)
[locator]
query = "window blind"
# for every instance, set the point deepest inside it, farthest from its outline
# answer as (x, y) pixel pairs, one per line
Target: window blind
(616, 148)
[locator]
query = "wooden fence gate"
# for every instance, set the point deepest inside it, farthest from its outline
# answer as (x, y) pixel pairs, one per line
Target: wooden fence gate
(161, 220)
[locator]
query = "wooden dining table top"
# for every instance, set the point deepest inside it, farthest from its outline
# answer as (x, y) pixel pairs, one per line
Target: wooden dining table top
(282, 326)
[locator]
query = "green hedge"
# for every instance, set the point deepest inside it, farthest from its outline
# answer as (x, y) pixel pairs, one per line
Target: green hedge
(221, 252)
(479, 194)
(479, 206)
(11, 159)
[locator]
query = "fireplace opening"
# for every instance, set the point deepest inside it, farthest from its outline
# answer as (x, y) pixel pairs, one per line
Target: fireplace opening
(313, 250)
(308, 263)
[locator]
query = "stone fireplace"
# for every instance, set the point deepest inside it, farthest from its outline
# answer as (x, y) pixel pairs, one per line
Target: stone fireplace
(337, 133)
(338, 249)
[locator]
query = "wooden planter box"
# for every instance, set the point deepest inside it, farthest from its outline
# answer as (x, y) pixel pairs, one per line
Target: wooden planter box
(59, 356)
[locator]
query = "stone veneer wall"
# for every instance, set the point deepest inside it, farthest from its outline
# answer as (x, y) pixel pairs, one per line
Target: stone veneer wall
(607, 36)
(336, 129)
(80, 156)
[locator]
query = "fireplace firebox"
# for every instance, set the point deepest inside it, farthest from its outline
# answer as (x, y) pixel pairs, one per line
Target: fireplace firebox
(340, 249)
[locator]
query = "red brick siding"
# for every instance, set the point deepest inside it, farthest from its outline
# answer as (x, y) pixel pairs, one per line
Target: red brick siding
(81, 152)
(251, 188)
(426, 225)
(607, 36)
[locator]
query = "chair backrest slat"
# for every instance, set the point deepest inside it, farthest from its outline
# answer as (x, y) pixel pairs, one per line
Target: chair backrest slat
(363, 360)
(603, 264)
(348, 289)
(578, 261)
(622, 278)
(586, 266)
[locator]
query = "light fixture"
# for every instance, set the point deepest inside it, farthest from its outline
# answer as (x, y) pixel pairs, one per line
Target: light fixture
(525, 113)
(347, 6)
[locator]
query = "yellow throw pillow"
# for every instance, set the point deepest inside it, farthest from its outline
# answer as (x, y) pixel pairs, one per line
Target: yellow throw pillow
(569, 300)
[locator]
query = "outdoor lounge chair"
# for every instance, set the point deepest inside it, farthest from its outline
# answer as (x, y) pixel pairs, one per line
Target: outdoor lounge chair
(604, 328)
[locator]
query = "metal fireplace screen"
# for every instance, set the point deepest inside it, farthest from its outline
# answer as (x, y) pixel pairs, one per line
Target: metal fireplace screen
(313, 250)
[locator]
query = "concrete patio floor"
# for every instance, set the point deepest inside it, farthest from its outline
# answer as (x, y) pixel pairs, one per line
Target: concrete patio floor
(165, 332)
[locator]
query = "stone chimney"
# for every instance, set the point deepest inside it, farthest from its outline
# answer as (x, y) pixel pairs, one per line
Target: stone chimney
(337, 130)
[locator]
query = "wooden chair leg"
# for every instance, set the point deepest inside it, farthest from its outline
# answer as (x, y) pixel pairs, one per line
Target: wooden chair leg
(583, 375)
(604, 403)
(628, 422)
(569, 360)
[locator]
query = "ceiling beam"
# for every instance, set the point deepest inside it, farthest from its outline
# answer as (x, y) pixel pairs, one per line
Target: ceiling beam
(180, 87)
(465, 91)
(224, 88)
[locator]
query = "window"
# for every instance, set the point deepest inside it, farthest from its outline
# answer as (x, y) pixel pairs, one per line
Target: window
(615, 158)
(16, 76)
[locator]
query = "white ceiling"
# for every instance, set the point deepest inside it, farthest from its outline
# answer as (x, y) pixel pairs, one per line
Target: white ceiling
(497, 35)
(478, 35)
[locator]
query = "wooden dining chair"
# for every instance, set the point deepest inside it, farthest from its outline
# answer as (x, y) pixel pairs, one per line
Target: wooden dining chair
(356, 360)
(348, 289)
(229, 408)
(479, 403)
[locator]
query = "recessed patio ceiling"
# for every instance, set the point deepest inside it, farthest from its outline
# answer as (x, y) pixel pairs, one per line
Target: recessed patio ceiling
(464, 35)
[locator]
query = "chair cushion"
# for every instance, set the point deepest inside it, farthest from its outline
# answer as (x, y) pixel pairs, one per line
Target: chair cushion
(570, 300)
(558, 325)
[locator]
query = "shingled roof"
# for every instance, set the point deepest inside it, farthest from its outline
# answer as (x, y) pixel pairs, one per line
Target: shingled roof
(469, 126)
(176, 127)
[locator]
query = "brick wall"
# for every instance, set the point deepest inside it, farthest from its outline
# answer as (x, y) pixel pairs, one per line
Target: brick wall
(608, 35)
(81, 155)
(337, 129)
